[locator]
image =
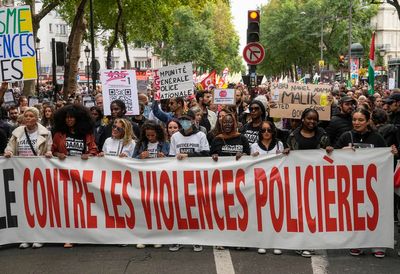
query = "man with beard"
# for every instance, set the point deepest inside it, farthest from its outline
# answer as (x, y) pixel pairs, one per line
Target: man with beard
(176, 106)
(341, 122)
(209, 119)
(239, 102)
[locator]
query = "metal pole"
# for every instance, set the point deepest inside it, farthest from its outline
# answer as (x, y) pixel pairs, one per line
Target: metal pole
(37, 72)
(53, 64)
(350, 30)
(322, 38)
(88, 73)
(92, 45)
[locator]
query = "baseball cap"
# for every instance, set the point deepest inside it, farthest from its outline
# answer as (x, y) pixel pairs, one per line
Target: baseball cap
(189, 115)
(347, 99)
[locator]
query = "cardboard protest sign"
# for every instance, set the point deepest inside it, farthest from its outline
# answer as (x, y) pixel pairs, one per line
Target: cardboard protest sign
(17, 45)
(224, 97)
(120, 84)
(9, 99)
(174, 81)
(290, 100)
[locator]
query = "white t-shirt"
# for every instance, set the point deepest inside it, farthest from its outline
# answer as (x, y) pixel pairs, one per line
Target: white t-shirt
(24, 149)
(114, 147)
(276, 150)
(188, 144)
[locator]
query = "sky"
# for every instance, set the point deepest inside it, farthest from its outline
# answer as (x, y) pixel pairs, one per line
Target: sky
(239, 10)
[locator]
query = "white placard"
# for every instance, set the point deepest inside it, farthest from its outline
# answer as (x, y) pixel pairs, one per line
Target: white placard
(224, 97)
(120, 84)
(175, 81)
(391, 83)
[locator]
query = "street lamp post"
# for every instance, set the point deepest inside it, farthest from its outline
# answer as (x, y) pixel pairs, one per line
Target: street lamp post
(92, 45)
(87, 55)
(37, 65)
(350, 30)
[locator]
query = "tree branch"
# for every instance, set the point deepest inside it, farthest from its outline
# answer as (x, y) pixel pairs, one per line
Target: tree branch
(45, 10)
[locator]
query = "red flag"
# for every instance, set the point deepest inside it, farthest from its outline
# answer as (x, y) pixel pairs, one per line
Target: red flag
(209, 80)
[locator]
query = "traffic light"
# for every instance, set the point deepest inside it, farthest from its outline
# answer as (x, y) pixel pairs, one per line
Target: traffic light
(61, 50)
(253, 27)
(341, 60)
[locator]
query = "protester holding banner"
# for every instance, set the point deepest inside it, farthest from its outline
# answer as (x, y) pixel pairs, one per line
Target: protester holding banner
(32, 139)
(122, 140)
(229, 142)
(267, 144)
(188, 142)
(363, 136)
(97, 116)
(252, 128)
(308, 136)
(118, 110)
(152, 142)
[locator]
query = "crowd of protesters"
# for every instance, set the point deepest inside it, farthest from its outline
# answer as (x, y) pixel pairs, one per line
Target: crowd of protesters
(194, 127)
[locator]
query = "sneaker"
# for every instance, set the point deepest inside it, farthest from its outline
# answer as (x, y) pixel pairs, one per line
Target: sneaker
(24, 245)
(174, 247)
(277, 252)
(305, 253)
(355, 252)
(123, 245)
(261, 251)
(379, 254)
(37, 245)
(157, 246)
(197, 248)
(140, 246)
(219, 247)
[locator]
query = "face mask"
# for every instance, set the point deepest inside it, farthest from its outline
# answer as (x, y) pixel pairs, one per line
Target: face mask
(186, 124)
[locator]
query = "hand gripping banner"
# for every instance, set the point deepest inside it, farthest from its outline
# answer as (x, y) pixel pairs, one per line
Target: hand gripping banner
(306, 200)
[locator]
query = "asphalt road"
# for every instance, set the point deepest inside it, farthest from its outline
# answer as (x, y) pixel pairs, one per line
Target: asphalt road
(114, 259)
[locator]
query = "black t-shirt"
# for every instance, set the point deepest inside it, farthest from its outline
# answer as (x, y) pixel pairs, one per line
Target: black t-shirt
(250, 132)
(229, 147)
(308, 143)
(75, 144)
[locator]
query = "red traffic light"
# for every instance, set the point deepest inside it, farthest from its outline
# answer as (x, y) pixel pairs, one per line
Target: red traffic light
(253, 16)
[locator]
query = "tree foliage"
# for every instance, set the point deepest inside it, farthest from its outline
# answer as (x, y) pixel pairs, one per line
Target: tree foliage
(291, 32)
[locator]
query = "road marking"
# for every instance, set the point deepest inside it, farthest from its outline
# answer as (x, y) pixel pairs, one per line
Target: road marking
(223, 261)
(319, 262)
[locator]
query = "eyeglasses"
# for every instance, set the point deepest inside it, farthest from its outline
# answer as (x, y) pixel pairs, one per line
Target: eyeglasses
(119, 129)
(251, 109)
(263, 130)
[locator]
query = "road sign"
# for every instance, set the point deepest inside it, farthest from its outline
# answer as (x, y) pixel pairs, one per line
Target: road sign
(253, 53)
(321, 63)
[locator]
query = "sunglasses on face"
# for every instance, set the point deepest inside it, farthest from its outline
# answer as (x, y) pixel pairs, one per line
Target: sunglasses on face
(119, 129)
(263, 130)
(254, 109)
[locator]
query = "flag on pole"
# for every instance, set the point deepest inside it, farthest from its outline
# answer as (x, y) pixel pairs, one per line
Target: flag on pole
(209, 80)
(371, 72)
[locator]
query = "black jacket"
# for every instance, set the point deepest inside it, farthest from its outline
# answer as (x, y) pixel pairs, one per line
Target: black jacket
(322, 137)
(339, 124)
(353, 137)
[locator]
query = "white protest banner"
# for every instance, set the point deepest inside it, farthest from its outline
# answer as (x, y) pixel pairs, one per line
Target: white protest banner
(8, 98)
(306, 200)
(175, 81)
(17, 54)
(120, 84)
(224, 97)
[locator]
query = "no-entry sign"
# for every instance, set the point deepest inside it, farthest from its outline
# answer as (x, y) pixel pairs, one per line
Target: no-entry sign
(253, 53)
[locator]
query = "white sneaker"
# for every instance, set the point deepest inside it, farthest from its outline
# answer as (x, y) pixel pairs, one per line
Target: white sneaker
(140, 246)
(197, 248)
(262, 251)
(24, 245)
(174, 247)
(157, 246)
(37, 245)
(305, 253)
(277, 252)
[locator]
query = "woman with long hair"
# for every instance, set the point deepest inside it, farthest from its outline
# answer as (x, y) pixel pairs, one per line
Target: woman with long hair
(122, 140)
(152, 142)
(30, 139)
(47, 117)
(267, 143)
(173, 126)
(363, 135)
